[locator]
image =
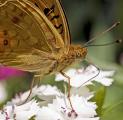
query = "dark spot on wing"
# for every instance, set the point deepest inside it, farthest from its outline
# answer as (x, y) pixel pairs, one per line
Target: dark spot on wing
(46, 11)
(52, 8)
(21, 14)
(5, 42)
(55, 17)
(15, 20)
(5, 32)
(59, 27)
(36, 5)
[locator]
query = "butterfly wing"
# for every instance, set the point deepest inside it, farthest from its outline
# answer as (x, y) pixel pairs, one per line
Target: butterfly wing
(54, 12)
(28, 40)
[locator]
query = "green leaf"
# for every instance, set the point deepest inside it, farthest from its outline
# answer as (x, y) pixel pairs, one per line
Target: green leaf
(113, 112)
(99, 99)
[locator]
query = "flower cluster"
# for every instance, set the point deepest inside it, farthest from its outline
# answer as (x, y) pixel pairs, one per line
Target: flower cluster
(52, 104)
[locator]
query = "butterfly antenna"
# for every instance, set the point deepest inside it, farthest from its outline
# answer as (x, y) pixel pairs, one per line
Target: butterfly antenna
(102, 33)
(105, 44)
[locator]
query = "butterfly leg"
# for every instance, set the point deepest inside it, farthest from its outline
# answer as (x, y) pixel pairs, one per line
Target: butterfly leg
(69, 87)
(30, 92)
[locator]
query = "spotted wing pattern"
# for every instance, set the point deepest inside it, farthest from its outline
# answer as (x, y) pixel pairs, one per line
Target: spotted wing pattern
(28, 40)
(54, 12)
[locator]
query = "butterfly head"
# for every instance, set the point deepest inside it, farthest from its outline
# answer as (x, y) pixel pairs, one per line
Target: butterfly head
(77, 51)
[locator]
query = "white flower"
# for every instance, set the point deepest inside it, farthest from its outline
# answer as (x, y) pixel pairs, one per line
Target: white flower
(82, 77)
(47, 90)
(61, 110)
(22, 112)
(104, 77)
(44, 92)
(58, 109)
(21, 97)
(7, 113)
(82, 91)
(55, 105)
(2, 115)
(26, 111)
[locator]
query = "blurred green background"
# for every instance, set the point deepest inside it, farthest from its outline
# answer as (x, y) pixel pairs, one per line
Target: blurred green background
(87, 18)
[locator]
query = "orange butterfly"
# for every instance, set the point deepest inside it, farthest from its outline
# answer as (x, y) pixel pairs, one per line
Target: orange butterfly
(35, 37)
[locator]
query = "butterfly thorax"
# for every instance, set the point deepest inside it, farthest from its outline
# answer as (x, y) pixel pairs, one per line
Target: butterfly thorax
(75, 52)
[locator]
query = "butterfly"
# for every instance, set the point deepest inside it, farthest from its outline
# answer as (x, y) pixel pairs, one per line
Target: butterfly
(35, 37)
